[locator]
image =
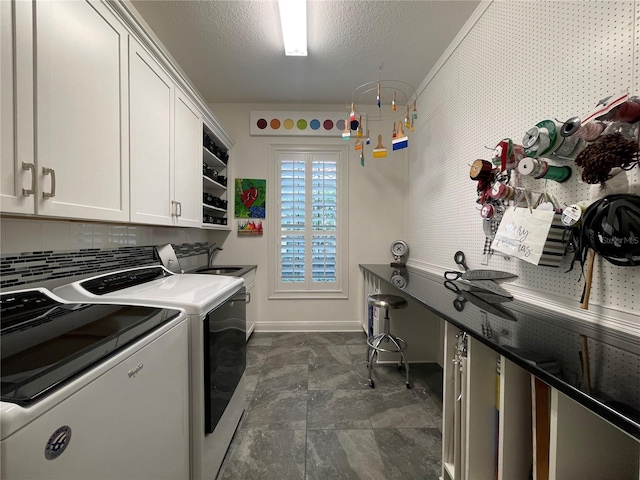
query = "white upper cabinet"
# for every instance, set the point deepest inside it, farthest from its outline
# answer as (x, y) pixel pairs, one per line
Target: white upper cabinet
(97, 123)
(152, 158)
(166, 134)
(82, 111)
(188, 162)
(18, 180)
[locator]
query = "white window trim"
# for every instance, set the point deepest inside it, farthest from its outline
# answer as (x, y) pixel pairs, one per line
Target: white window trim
(342, 289)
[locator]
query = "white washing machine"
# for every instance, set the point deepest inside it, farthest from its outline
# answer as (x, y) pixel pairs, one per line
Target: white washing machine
(92, 391)
(216, 306)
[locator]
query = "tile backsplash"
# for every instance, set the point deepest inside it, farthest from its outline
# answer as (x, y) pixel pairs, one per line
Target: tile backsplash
(41, 252)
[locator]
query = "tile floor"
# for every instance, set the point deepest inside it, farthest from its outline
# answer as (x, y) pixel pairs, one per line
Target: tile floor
(311, 415)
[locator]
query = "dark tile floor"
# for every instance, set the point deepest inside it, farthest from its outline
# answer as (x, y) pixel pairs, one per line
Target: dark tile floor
(310, 413)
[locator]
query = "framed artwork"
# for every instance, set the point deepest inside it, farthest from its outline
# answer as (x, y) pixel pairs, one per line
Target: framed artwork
(250, 228)
(250, 198)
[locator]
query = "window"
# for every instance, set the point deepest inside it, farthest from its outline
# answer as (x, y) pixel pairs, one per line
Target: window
(308, 248)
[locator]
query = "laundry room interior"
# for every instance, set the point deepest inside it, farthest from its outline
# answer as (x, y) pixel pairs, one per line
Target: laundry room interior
(413, 250)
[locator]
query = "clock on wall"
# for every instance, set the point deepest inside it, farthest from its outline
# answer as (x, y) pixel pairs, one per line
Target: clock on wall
(399, 249)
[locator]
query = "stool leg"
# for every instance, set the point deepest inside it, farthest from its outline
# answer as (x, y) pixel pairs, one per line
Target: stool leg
(406, 366)
(370, 367)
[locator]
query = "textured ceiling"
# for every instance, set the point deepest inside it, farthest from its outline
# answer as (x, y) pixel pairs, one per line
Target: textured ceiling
(233, 52)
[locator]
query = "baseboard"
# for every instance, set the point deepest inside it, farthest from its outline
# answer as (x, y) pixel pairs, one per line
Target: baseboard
(316, 326)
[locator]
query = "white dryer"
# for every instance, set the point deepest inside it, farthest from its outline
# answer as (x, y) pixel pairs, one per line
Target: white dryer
(216, 306)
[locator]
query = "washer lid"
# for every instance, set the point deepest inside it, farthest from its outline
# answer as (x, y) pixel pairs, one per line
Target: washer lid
(46, 342)
(195, 293)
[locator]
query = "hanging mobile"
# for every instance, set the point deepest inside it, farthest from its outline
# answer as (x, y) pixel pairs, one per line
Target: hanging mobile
(346, 134)
(353, 123)
(406, 118)
(378, 97)
(399, 249)
(393, 101)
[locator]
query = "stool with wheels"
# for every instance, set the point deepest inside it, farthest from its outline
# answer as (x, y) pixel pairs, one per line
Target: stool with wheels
(386, 342)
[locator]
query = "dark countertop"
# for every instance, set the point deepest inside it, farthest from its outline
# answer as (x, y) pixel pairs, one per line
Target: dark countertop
(244, 269)
(535, 337)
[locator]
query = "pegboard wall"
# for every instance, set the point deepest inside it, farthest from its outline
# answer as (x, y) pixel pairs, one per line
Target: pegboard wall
(521, 62)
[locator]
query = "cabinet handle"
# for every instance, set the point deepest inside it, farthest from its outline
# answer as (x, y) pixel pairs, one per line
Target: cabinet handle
(179, 214)
(174, 210)
(32, 167)
(52, 172)
(248, 298)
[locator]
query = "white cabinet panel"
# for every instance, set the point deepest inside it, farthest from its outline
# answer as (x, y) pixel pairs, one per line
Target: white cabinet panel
(188, 162)
(16, 108)
(152, 159)
(82, 111)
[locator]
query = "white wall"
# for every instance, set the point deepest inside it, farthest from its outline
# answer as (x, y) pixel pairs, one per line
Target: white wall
(376, 218)
(518, 63)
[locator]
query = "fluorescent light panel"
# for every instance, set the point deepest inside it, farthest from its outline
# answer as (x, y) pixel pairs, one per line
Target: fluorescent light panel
(293, 19)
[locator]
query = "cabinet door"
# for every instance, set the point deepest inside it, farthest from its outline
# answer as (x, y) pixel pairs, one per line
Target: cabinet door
(82, 111)
(151, 105)
(188, 163)
(17, 183)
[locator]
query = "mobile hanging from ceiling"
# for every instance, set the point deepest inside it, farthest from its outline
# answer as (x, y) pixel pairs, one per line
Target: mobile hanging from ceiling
(388, 101)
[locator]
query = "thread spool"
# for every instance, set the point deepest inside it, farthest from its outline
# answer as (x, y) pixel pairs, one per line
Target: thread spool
(480, 170)
(541, 169)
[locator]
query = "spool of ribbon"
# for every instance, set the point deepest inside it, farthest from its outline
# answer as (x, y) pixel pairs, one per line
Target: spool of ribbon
(572, 214)
(542, 139)
(507, 154)
(500, 191)
(588, 132)
(541, 169)
(480, 170)
(487, 211)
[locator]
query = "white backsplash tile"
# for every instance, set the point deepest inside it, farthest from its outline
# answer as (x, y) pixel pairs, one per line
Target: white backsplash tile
(56, 236)
(140, 235)
(81, 235)
(21, 236)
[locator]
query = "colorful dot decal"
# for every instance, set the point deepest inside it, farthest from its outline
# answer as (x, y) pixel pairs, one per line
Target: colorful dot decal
(298, 123)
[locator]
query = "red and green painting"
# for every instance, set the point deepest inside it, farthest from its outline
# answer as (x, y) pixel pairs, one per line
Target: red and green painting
(250, 198)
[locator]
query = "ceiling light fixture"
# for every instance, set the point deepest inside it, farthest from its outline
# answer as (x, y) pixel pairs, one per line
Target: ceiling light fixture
(293, 20)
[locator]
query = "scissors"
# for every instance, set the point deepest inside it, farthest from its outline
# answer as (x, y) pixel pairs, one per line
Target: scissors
(461, 260)
(478, 278)
(476, 298)
(460, 300)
